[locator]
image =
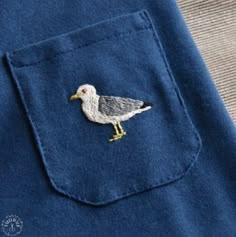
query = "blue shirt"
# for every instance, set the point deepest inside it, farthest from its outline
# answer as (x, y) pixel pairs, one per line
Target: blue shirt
(173, 174)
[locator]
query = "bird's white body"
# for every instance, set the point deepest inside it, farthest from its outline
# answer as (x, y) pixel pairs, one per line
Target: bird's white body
(90, 107)
(108, 109)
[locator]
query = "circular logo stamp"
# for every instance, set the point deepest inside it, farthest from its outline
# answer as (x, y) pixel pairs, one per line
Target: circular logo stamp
(12, 225)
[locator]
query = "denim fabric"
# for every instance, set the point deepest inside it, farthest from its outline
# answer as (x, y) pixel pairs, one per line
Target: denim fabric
(173, 174)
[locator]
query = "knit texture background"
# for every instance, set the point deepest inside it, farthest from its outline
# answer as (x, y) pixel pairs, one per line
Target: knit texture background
(213, 26)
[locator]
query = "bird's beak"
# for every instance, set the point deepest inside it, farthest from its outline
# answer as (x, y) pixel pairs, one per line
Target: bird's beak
(75, 96)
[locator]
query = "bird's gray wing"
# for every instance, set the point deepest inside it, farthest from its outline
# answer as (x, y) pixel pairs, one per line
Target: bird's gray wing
(117, 106)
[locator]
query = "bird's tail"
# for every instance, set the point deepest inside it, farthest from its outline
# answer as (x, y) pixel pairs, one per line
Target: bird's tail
(145, 105)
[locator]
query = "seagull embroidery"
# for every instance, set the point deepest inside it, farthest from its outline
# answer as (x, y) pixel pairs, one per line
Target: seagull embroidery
(108, 109)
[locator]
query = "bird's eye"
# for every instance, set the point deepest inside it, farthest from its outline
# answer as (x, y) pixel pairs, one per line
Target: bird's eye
(84, 91)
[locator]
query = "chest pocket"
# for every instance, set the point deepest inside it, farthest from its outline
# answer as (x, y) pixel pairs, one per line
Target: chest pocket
(120, 57)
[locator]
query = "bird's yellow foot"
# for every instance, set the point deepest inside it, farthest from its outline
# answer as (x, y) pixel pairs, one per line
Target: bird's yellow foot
(119, 133)
(115, 137)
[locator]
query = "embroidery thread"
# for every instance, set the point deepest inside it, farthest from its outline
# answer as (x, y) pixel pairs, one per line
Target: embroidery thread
(108, 109)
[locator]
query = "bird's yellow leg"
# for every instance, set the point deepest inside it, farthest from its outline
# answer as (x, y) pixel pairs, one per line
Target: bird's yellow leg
(121, 129)
(116, 129)
(119, 134)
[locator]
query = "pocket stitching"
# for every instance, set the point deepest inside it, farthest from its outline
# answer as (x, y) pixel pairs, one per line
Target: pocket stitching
(111, 37)
(171, 78)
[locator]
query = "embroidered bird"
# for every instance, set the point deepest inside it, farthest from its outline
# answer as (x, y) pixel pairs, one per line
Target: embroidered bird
(108, 109)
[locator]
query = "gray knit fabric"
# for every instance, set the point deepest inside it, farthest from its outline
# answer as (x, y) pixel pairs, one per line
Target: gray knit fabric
(213, 26)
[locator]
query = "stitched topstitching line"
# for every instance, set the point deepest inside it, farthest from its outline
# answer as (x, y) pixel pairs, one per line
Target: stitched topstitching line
(115, 36)
(177, 92)
(163, 181)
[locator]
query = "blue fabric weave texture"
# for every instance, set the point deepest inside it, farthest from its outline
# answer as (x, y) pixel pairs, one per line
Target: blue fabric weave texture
(173, 174)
